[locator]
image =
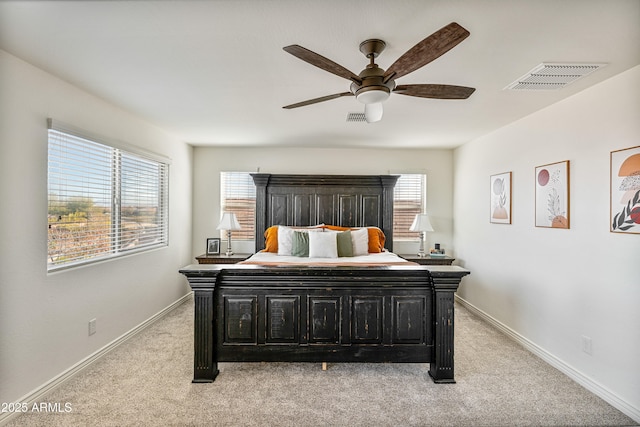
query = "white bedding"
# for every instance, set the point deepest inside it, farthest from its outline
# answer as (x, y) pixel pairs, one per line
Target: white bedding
(270, 258)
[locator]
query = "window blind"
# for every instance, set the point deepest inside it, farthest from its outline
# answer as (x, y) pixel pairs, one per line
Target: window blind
(102, 201)
(409, 198)
(238, 195)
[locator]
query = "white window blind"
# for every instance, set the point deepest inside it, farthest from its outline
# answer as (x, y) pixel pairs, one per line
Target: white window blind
(103, 201)
(409, 198)
(238, 195)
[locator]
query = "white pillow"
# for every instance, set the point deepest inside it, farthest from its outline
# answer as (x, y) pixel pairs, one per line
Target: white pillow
(360, 241)
(285, 240)
(285, 237)
(323, 245)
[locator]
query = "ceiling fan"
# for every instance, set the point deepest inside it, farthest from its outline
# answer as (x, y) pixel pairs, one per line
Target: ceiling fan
(374, 85)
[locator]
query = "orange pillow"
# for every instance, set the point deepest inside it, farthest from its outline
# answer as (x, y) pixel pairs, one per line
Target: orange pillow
(376, 240)
(376, 237)
(271, 239)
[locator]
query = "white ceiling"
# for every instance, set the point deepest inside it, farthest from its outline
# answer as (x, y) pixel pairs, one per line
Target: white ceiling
(214, 72)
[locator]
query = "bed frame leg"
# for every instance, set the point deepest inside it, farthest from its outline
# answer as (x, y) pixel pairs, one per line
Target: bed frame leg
(324, 366)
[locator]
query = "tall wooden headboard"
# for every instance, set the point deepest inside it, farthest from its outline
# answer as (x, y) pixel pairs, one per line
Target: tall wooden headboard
(344, 200)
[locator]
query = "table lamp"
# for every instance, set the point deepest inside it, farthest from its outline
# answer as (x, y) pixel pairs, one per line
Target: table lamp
(229, 222)
(422, 224)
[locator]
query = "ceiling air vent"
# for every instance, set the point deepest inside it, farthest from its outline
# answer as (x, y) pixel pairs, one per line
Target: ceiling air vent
(356, 117)
(549, 76)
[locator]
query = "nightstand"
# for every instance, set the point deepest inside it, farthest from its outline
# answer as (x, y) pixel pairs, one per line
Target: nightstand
(221, 258)
(428, 260)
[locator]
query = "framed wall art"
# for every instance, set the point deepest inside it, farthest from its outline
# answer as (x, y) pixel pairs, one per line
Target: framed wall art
(552, 195)
(625, 191)
(501, 198)
(213, 246)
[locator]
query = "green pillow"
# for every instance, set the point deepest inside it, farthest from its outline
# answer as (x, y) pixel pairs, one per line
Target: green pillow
(345, 248)
(300, 244)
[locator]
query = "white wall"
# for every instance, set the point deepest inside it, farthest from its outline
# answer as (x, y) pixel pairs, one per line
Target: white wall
(554, 286)
(44, 317)
(208, 162)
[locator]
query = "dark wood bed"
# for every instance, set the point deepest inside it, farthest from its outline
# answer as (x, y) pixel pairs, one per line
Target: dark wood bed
(249, 313)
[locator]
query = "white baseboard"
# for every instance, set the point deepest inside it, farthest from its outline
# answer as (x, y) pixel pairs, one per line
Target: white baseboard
(586, 382)
(39, 393)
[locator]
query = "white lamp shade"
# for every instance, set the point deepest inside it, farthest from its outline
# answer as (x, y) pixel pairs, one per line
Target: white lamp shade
(421, 223)
(229, 222)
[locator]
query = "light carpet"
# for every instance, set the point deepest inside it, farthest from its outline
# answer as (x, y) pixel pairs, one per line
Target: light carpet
(147, 382)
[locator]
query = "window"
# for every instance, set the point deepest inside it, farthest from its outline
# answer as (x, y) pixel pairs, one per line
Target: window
(102, 201)
(238, 195)
(409, 199)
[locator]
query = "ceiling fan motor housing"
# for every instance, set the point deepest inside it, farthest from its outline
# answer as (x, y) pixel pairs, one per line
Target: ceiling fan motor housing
(373, 88)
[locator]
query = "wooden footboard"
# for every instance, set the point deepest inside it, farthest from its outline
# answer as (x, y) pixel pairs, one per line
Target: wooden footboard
(246, 313)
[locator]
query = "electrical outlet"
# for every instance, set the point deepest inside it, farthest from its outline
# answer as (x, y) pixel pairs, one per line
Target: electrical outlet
(586, 345)
(92, 326)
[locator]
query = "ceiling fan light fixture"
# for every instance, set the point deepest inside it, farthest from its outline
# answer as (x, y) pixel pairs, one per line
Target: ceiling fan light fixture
(373, 112)
(373, 95)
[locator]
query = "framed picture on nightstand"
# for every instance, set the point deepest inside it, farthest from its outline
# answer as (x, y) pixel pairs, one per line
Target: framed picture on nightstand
(213, 246)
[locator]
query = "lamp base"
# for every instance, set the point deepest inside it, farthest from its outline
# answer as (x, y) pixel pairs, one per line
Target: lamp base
(421, 253)
(229, 251)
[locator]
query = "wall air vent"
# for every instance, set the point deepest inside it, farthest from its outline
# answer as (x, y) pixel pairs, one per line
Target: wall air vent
(356, 117)
(549, 76)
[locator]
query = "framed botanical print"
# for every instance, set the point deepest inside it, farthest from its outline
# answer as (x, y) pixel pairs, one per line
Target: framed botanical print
(624, 200)
(500, 198)
(552, 195)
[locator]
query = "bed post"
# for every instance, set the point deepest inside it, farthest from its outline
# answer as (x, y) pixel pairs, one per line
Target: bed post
(445, 284)
(205, 360)
(388, 184)
(261, 180)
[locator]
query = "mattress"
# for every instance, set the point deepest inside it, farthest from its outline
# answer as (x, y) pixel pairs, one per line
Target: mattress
(373, 259)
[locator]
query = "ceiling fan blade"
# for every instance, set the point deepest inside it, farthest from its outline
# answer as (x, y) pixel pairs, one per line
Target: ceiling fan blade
(427, 50)
(316, 100)
(321, 62)
(435, 91)
(373, 112)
